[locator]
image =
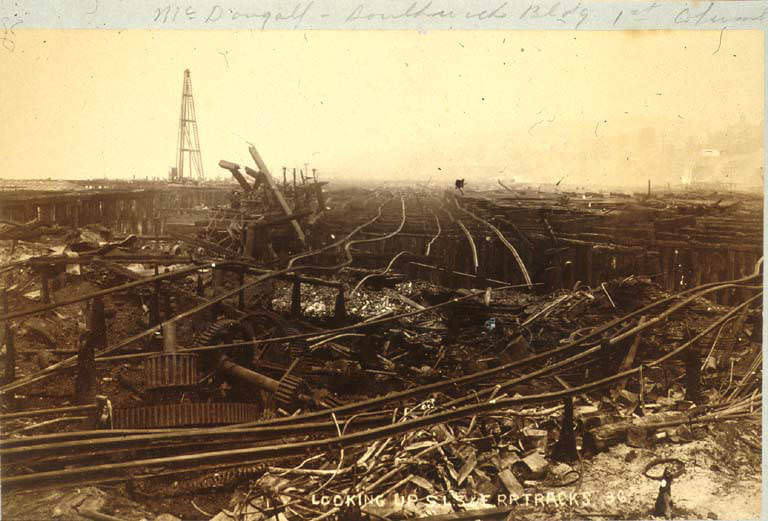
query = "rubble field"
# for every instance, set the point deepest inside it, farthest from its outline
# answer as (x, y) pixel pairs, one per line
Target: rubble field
(305, 352)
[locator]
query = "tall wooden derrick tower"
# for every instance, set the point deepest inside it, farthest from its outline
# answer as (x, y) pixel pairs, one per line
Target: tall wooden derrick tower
(189, 163)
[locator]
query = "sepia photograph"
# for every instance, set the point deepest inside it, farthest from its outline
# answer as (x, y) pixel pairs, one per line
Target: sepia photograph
(305, 275)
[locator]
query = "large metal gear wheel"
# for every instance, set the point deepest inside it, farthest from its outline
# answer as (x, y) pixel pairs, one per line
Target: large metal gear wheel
(267, 324)
(288, 392)
(226, 331)
(259, 324)
(170, 370)
(185, 415)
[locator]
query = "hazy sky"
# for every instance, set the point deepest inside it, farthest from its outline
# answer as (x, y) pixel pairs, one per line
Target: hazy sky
(85, 104)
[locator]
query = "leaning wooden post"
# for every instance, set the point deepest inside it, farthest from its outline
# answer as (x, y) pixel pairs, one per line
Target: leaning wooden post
(85, 383)
(10, 346)
(277, 193)
(241, 293)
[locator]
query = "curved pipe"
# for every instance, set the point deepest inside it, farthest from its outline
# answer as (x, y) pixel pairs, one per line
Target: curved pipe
(503, 240)
(439, 229)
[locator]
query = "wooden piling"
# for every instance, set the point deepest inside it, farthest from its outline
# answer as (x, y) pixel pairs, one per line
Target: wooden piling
(340, 309)
(565, 448)
(693, 376)
(44, 288)
(296, 298)
(94, 338)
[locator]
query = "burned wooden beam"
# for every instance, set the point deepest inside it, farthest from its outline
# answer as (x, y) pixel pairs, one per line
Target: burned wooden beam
(234, 169)
(257, 176)
(276, 191)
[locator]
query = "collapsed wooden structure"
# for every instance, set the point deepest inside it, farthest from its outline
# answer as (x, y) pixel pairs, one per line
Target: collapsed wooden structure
(489, 334)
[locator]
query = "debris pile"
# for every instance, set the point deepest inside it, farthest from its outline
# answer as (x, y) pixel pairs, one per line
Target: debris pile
(298, 353)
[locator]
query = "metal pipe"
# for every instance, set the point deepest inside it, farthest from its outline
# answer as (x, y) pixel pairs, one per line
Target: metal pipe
(169, 337)
(45, 412)
(230, 368)
(82, 298)
(115, 472)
